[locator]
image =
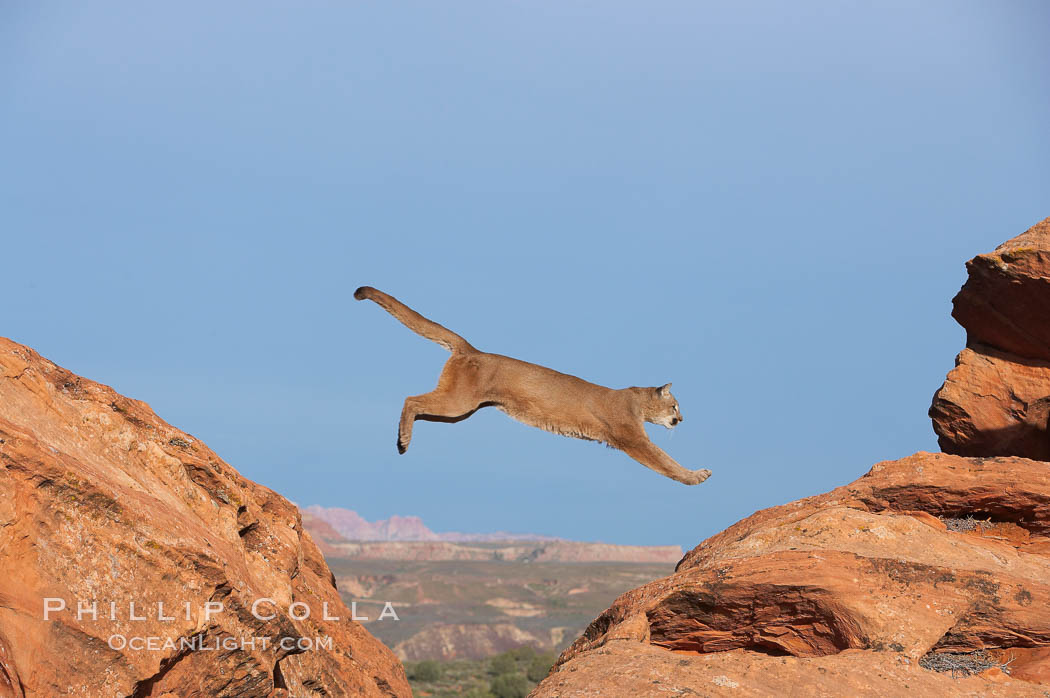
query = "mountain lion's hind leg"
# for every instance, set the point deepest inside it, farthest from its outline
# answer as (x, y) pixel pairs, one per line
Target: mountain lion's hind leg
(436, 406)
(652, 456)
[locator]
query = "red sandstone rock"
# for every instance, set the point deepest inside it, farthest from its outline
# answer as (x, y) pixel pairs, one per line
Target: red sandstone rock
(843, 593)
(1005, 302)
(103, 502)
(626, 669)
(996, 401)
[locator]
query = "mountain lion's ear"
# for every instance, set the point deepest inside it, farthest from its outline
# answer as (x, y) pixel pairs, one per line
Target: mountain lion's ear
(664, 390)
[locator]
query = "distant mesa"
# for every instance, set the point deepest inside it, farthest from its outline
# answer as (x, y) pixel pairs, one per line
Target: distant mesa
(350, 525)
(342, 533)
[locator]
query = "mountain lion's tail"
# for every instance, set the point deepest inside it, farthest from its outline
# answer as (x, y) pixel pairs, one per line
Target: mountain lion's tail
(414, 321)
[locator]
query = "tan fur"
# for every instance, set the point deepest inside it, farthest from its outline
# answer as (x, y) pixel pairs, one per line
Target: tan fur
(536, 395)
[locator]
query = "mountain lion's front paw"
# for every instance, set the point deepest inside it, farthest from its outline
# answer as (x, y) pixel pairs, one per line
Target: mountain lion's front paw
(401, 447)
(701, 475)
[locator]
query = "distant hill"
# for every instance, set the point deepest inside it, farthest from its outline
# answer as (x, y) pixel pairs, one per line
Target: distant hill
(343, 533)
(352, 526)
(473, 608)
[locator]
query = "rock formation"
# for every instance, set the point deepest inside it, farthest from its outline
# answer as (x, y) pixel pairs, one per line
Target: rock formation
(845, 592)
(146, 552)
(929, 575)
(996, 401)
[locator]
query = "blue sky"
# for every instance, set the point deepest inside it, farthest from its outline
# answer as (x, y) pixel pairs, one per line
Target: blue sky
(769, 204)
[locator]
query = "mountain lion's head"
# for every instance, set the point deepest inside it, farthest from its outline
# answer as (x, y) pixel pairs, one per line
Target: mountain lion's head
(663, 409)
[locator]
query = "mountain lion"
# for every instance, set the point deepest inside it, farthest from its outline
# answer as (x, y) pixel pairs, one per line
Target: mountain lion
(537, 396)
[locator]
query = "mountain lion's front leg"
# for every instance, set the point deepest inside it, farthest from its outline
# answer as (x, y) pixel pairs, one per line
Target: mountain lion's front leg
(408, 418)
(651, 456)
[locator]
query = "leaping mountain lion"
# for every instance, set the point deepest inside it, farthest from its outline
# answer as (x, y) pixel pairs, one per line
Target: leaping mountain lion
(537, 396)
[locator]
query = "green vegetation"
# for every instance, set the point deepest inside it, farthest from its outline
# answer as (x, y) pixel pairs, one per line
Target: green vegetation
(538, 668)
(510, 686)
(502, 664)
(512, 674)
(428, 670)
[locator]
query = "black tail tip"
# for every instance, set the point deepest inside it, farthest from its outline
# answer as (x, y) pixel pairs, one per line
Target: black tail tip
(361, 293)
